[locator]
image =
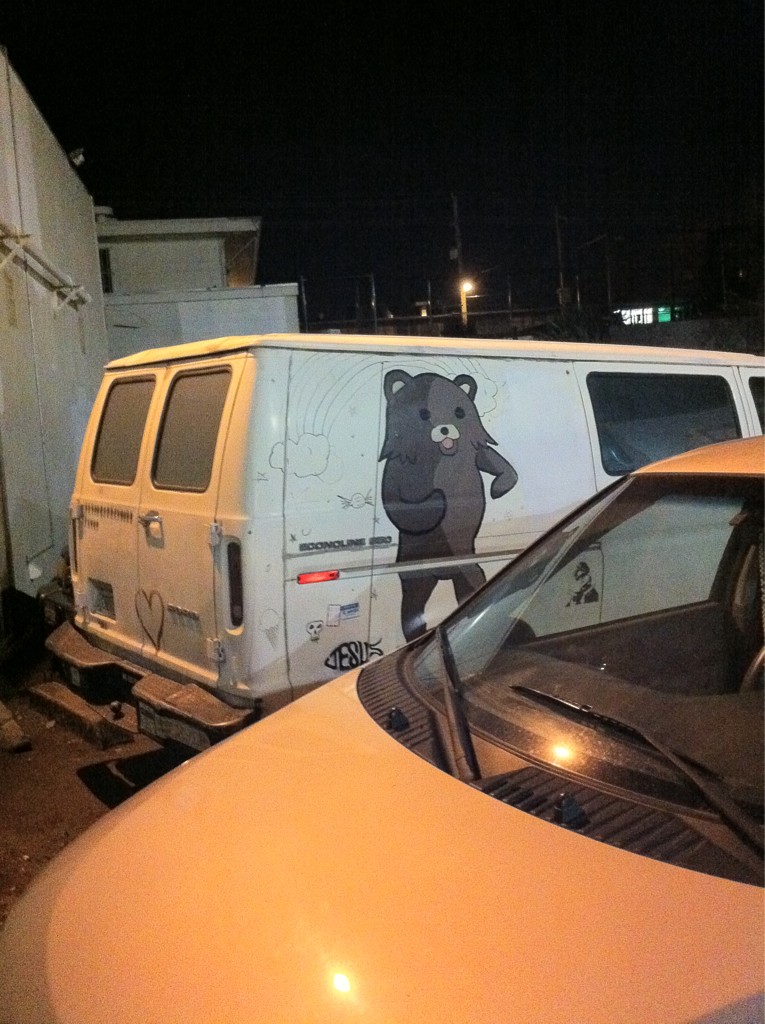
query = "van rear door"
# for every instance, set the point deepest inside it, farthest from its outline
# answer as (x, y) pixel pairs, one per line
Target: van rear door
(640, 413)
(178, 536)
(104, 541)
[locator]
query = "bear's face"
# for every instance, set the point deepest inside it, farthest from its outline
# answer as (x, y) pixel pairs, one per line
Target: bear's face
(431, 417)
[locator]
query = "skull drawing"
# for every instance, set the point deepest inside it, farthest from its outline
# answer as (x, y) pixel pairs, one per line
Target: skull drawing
(313, 629)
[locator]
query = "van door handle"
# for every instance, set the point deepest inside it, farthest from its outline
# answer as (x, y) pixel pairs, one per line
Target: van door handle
(147, 518)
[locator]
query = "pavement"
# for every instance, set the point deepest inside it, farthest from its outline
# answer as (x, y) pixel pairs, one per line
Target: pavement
(61, 769)
(12, 736)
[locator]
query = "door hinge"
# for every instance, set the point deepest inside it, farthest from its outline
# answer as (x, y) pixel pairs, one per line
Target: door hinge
(216, 534)
(215, 650)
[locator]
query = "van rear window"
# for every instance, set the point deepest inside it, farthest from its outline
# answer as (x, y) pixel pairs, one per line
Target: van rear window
(115, 458)
(642, 417)
(189, 432)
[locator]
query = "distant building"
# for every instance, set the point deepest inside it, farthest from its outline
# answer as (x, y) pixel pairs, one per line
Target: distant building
(172, 281)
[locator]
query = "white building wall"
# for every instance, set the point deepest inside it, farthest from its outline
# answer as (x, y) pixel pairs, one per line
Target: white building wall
(51, 351)
(167, 264)
(170, 282)
(137, 322)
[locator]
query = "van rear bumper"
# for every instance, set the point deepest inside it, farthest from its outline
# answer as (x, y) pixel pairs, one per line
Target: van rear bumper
(166, 709)
(68, 644)
(185, 713)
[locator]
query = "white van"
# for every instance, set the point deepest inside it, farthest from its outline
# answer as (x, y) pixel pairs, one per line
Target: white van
(253, 516)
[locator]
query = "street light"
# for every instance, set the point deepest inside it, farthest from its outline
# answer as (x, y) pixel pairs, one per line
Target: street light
(465, 287)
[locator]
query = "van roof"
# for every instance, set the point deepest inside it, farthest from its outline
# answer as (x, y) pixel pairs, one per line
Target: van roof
(475, 347)
(742, 457)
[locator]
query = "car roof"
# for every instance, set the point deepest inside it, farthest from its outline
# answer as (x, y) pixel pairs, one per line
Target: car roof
(743, 457)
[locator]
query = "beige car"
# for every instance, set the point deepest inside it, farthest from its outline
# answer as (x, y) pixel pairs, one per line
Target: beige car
(549, 809)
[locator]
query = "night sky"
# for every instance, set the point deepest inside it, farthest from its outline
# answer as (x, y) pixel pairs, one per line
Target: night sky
(348, 127)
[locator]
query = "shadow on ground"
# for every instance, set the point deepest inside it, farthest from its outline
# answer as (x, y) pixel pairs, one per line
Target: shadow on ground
(114, 780)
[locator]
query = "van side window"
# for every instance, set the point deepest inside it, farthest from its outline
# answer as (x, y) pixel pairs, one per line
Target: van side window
(189, 431)
(115, 457)
(757, 387)
(642, 417)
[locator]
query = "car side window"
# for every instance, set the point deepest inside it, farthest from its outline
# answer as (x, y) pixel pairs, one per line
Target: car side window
(189, 432)
(666, 556)
(120, 432)
(642, 417)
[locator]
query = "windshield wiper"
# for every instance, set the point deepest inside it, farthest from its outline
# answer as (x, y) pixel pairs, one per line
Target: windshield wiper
(583, 710)
(463, 752)
(745, 825)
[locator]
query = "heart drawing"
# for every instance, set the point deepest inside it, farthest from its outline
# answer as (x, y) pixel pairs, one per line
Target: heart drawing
(150, 609)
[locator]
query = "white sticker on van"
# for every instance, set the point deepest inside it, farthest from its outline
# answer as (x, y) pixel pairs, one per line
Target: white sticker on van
(337, 613)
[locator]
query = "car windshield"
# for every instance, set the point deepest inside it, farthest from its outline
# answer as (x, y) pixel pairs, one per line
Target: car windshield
(639, 616)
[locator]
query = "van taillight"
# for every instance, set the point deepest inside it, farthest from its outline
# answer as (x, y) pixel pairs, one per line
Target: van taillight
(318, 577)
(235, 585)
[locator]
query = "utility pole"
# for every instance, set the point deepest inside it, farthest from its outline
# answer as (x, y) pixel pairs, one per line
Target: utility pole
(456, 253)
(562, 295)
(600, 238)
(373, 299)
(463, 286)
(303, 303)
(608, 276)
(723, 284)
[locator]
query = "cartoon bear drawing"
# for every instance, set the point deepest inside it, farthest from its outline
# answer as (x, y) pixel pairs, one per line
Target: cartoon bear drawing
(435, 450)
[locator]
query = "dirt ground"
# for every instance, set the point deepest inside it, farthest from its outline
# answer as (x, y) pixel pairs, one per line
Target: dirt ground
(62, 784)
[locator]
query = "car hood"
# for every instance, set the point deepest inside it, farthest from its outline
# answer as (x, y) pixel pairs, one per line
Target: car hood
(311, 869)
